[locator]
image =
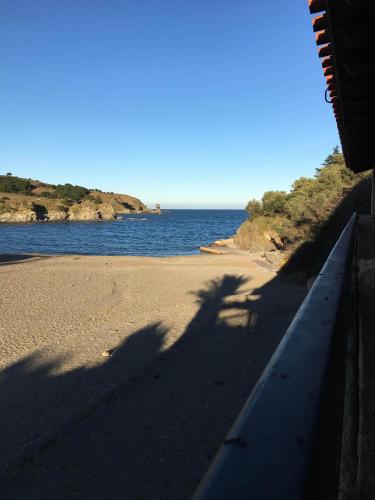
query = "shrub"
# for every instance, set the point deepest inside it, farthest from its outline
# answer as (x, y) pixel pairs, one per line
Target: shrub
(10, 184)
(89, 197)
(62, 208)
(48, 194)
(254, 208)
(273, 202)
(74, 193)
(297, 216)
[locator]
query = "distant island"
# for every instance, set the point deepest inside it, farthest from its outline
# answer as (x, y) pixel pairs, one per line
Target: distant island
(27, 200)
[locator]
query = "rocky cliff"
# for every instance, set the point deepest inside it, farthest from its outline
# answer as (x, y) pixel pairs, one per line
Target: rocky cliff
(42, 203)
(256, 237)
(20, 210)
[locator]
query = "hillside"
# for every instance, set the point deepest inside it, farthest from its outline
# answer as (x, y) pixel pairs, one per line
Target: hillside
(26, 200)
(301, 226)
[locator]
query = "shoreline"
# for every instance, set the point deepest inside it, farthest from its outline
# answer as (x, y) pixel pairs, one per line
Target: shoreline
(67, 220)
(233, 251)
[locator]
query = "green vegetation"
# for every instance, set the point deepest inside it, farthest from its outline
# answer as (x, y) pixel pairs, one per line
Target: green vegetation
(71, 192)
(11, 184)
(68, 192)
(297, 215)
(25, 200)
(312, 208)
(48, 194)
(62, 208)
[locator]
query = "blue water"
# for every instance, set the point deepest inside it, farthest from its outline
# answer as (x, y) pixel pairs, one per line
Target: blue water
(176, 232)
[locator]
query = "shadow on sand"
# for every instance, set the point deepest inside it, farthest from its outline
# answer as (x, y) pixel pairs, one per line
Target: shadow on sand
(9, 258)
(125, 431)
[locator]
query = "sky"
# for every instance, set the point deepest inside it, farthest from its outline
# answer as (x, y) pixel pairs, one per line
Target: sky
(189, 103)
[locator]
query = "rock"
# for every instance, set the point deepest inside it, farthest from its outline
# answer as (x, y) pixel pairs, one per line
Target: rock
(108, 353)
(97, 206)
(91, 211)
(223, 243)
(250, 236)
(83, 211)
(211, 250)
(272, 236)
(106, 211)
(26, 215)
(56, 215)
(273, 257)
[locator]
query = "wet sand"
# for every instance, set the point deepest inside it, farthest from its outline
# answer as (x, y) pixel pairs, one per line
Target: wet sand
(188, 338)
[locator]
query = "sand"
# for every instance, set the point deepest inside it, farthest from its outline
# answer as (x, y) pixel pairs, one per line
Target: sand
(187, 338)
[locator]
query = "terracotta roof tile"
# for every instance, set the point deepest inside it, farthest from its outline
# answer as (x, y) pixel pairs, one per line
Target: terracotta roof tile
(344, 32)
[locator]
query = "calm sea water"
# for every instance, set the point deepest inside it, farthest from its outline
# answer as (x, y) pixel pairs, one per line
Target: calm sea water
(175, 232)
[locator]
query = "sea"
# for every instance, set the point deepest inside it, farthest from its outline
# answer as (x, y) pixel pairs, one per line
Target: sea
(174, 232)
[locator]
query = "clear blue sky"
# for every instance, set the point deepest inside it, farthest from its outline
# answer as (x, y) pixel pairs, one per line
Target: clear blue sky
(177, 101)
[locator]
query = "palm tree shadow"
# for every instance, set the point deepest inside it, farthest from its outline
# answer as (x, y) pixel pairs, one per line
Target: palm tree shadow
(219, 297)
(124, 430)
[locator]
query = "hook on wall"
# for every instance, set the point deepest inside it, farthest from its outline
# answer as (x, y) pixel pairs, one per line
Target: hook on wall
(325, 96)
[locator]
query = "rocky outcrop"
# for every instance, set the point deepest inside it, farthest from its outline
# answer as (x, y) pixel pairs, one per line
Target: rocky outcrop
(211, 250)
(95, 206)
(250, 236)
(106, 211)
(83, 212)
(56, 215)
(273, 257)
(227, 242)
(272, 236)
(23, 215)
(91, 211)
(121, 203)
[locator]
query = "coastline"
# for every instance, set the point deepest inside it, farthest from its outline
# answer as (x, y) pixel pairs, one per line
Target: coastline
(199, 326)
(33, 217)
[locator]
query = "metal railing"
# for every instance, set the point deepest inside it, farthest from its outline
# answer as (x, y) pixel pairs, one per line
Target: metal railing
(285, 443)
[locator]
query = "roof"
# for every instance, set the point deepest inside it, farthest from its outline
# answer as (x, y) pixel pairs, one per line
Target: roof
(345, 35)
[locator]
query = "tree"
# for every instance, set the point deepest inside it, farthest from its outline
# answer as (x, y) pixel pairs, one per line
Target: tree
(254, 208)
(9, 173)
(74, 193)
(273, 202)
(297, 216)
(334, 156)
(10, 184)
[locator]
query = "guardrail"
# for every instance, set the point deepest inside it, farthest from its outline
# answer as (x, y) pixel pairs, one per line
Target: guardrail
(285, 443)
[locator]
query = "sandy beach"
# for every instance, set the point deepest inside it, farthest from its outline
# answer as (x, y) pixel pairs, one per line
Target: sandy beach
(120, 376)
